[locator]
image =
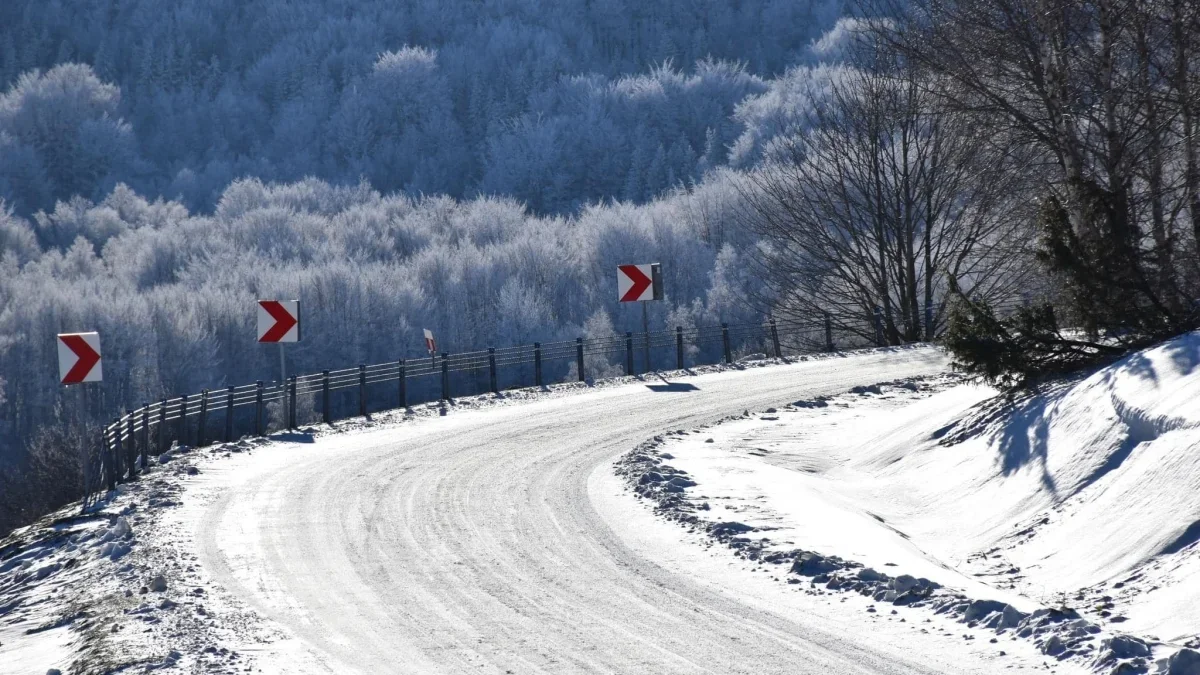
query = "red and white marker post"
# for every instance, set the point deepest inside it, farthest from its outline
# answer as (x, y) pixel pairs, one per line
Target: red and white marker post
(279, 322)
(641, 283)
(79, 358)
(79, 362)
(431, 347)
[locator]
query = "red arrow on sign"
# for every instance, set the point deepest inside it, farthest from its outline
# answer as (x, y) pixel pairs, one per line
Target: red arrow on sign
(88, 358)
(284, 321)
(640, 282)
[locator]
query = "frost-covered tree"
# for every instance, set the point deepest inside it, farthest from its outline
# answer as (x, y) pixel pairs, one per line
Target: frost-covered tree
(538, 100)
(17, 239)
(173, 293)
(62, 135)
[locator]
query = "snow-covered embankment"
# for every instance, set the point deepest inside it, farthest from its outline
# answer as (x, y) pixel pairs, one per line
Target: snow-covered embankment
(1069, 516)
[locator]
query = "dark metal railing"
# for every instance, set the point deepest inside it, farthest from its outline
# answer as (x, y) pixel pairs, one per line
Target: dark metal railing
(219, 415)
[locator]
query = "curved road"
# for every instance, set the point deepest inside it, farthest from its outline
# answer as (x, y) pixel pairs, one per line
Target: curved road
(469, 543)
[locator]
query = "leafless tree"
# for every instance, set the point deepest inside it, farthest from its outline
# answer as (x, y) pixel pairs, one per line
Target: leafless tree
(881, 201)
(1105, 91)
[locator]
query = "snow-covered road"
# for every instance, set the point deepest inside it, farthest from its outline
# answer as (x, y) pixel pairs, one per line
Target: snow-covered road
(479, 542)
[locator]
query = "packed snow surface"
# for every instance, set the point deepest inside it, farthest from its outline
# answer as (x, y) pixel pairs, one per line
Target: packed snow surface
(495, 537)
(484, 541)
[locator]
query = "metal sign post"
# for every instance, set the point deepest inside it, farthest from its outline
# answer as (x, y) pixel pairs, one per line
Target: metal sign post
(641, 283)
(279, 321)
(646, 335)
(431, 347)
(79, 362)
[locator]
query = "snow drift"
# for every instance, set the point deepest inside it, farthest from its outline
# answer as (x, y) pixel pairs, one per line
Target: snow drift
(1092, 486)
(1083, 496)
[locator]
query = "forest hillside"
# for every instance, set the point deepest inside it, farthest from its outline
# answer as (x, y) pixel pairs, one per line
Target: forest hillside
(474, 168)
(1020, 183)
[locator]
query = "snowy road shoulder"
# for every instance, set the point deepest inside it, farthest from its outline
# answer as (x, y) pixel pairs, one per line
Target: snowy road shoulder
(912, 493)
(116, 589)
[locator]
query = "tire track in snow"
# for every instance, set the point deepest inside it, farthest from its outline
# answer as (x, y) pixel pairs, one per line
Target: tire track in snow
(469, 543)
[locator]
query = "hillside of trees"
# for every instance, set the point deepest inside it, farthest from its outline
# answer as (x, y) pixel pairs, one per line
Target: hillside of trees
(557, 103)
(174, 294)
(1024, 185)
(477, 168)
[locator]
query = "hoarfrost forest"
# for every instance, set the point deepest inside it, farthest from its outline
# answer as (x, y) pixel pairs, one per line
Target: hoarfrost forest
(480, 169)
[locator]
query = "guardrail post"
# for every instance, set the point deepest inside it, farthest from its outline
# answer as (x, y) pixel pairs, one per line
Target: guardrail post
(775, 339)
(679, 347)
(131, 453)
(201, 441)
(162, 426)
(258, 408)
(629, 353)
(445, 376)
(183, 434)
(537, 364)
(118, 452)
(145, 435)
(110, 469)
(96, 480)
(114, 453)
(403, 386)
(292, 403)
(362, 390)
(725, 342)
(828, 332)
(878, 326)
(579, 359)
(492, 370)
(325, 397)
(229, 414)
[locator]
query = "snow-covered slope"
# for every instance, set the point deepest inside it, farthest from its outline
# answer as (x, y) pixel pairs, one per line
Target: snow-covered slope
(1085, 494)
(1084, 487)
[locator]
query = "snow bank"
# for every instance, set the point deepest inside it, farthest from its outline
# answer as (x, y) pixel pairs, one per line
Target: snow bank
(114, 588)
(1091, 487)
(1084, 496)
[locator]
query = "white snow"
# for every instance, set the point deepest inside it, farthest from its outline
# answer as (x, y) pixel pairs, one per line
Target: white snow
(803, 493)
(494, 537)
(1081, 493)
(943, 643)
(36, 653)
(292, 557)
